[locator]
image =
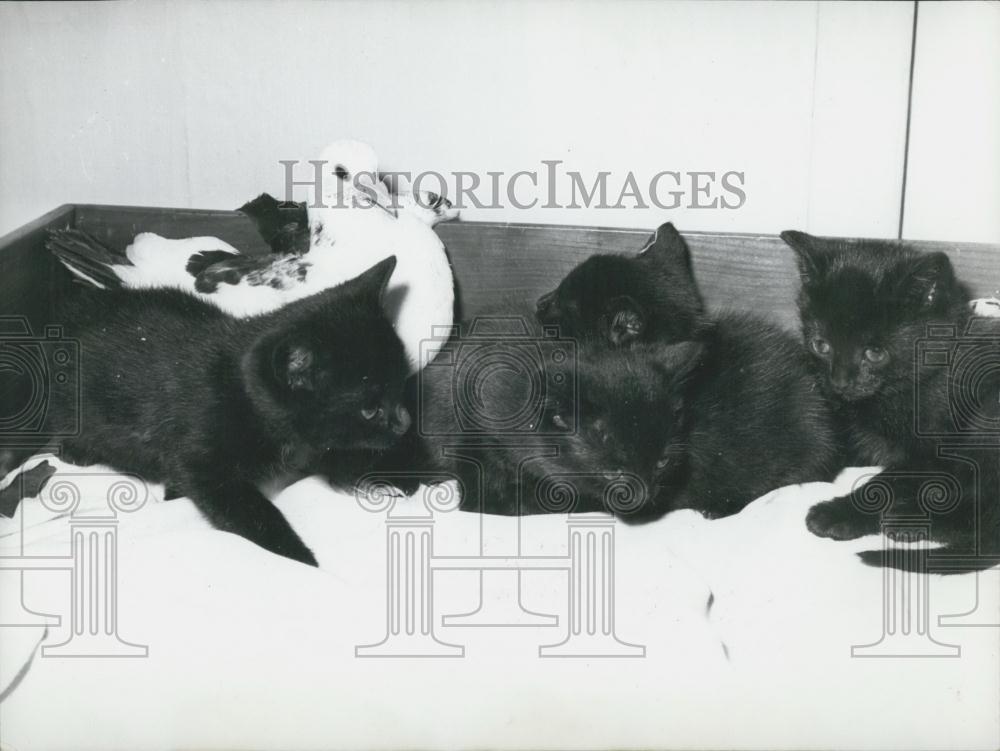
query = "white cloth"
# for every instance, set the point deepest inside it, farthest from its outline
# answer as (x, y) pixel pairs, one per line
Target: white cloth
(246, 649)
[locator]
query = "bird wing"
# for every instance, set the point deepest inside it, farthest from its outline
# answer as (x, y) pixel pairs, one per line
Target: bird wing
(212, 268)
(155, 261)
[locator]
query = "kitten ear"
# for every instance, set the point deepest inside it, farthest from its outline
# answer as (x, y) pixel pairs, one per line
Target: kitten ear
(374, 281)
(293, 366)
(809, 251)
(666, 247)
(626, 320)
(929, 279)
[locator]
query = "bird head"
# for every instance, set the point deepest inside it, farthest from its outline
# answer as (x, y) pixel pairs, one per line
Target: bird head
(351, 178)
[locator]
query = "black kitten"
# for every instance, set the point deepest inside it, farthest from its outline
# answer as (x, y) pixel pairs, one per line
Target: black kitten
(624, 299)
(638, 431)
(709, 425)
(869, 315)
(176, 391)
(751, 420)
(545, 429)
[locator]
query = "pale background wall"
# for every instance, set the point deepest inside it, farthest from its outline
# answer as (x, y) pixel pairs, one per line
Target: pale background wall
(953, 190)
(191, 104)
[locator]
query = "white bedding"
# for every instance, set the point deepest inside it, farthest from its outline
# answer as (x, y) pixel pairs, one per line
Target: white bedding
(246, 649)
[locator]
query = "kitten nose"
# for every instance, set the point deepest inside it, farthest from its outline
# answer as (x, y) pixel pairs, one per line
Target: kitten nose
(402, 422)
(839, 380)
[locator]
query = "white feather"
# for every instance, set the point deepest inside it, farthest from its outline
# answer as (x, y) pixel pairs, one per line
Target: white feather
(90, 280)
(162, 262)
(351, 234)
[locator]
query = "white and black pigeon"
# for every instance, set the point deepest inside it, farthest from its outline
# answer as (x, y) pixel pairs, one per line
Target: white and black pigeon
(358, 225)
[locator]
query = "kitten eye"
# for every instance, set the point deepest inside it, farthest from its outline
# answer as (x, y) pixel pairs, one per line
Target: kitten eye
(370, 413)
(876, 354)
(820, 346)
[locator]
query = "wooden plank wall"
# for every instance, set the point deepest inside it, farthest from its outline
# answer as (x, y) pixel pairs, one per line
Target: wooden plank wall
(743, 272)
(495, 263)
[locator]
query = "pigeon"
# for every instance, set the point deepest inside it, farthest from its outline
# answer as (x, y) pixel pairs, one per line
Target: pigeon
(312, 248)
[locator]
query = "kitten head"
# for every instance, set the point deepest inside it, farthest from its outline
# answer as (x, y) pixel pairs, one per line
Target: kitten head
(864, 304)
(628, 409)
(622, 300)
(332, 369)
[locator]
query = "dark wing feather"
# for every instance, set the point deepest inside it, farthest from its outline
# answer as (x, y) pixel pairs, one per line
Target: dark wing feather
(204, 259)
(257, 270)
(81, 251)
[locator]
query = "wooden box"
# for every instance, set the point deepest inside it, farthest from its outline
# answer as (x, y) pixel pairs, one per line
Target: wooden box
(493, 262)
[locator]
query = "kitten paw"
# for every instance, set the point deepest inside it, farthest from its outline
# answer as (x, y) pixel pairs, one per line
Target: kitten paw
(170, 493)
(407, 485)
(837, 521)
(29, 484)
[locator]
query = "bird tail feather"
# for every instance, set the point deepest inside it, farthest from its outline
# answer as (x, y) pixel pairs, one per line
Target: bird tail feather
(86, 257)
